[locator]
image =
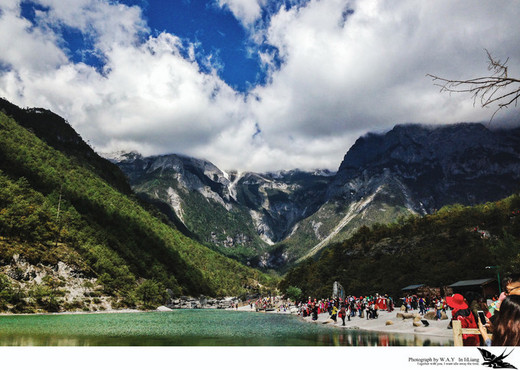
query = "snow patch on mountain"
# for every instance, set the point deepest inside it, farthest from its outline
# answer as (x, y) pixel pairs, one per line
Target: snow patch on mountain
(175, 202)
(263, 230)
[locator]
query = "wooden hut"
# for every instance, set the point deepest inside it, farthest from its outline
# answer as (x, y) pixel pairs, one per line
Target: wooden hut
(422, 290)
(412, 289)
(486, 287)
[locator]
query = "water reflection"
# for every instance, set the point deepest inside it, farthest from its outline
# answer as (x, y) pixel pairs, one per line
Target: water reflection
(364, 338)
(48, 341)
(350, 338)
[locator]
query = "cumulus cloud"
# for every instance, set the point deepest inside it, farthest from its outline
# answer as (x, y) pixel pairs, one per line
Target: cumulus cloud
(336, 69)
(364, 69)
(151, 96)
(29, 49)
(109, 24)
(246, 11)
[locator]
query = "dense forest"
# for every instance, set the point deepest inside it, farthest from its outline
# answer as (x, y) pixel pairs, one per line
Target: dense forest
(455, 243)
(60, 202)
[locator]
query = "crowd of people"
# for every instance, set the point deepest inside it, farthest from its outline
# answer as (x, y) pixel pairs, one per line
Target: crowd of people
(351, 306)
(265, 303)
(501, 317)
(368, 306)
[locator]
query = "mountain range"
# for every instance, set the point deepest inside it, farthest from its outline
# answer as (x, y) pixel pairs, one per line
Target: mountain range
(73, 235)
(276, 219)
(78, 232)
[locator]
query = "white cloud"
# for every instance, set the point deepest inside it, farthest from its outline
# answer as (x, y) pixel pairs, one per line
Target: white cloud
(339, 78)
(368, 73)
(246, 11)
(30, 49)
(150, 98)
(109, 24)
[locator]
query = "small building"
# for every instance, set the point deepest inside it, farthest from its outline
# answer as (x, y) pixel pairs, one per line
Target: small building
(412, 289)
(422, 290)
(485, 287)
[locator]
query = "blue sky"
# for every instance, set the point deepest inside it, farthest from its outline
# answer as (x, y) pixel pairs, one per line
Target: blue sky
(217, 31)
(213, 29)
(250, 84)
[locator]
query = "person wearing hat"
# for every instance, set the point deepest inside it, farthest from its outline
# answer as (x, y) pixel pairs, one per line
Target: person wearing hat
(462, 313)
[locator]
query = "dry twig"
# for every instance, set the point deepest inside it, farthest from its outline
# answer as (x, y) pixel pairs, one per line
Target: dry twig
(488, 90)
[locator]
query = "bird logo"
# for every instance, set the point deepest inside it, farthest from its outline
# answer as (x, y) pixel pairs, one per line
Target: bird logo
(495, 362)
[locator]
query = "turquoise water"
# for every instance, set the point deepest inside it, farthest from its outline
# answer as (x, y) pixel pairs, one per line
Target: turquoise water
(188, 328)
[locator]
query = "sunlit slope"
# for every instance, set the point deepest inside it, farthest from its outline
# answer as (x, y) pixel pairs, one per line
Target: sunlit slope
(113, 236)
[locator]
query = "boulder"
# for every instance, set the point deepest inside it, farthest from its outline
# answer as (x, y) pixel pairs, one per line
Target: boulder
(163, 309)
(417, 323)
(430, 315)
(404, 315)
(389, 322)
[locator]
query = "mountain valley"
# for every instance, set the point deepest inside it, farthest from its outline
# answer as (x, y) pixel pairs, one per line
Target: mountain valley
(274, 220)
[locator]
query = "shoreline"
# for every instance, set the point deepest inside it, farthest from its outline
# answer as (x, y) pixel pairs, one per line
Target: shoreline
(399, 326)
(126, 310)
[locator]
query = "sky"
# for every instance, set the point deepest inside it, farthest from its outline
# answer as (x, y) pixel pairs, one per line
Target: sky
(257, 85)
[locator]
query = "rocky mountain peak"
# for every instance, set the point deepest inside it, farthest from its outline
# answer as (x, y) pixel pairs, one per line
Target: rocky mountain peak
(411, 169)
(463, 163)
(414, 143)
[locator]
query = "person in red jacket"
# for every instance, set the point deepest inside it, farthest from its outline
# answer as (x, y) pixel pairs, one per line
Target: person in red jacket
(462, 313)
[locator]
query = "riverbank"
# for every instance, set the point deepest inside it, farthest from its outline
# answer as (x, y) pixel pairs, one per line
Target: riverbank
(122, 310)
(387, 322)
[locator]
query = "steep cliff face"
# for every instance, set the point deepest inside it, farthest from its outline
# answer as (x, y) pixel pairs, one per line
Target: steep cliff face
(241, 214)
(277, 201)
(417, 169)
(274, 219)
(465, 163)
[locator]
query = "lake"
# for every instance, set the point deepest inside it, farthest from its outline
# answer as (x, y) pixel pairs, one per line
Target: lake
(189, 328)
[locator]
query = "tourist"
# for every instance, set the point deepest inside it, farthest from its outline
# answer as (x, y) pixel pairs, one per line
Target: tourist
(438, 308)
(474, 305)
(390, 304)
(343, 314)
(422, 309)
(462, 313)
(334, 313)
(352, 308)
(314, 312)
(506, 326)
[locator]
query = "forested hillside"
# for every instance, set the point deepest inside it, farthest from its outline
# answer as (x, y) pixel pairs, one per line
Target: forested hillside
(56, 208)
(455, 243)
(275, 220)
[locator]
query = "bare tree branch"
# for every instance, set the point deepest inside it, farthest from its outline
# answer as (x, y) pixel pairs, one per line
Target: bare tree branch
(489, 90)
